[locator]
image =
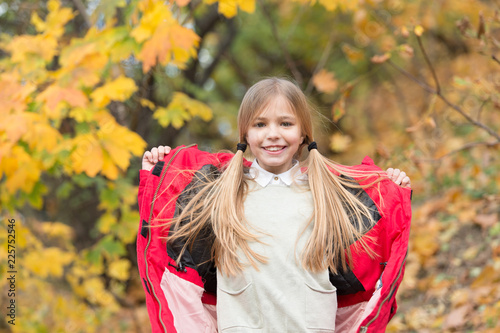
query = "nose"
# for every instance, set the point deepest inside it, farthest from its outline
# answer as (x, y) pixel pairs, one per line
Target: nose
(273, 132)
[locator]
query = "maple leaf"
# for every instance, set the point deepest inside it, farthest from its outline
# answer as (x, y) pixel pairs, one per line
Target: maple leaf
(22, 171)
(55, 21)
(182, 108)
(379, 59)
(353, 54)
(87, 155)
(53, 95)
(154, 14)
(119, 89)
(169, 43)
(339, 142)
(41, 135)
(338, 109)
(324, 81)
(119, 269)
(13, 95)
(182, 3)
(107, 9)
(38, 262)
(229, 8)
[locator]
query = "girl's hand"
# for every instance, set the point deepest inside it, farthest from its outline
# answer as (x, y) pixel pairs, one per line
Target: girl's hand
(150, 158)
(399, 177)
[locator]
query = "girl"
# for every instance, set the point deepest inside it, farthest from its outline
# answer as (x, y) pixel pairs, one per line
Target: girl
(285, 246)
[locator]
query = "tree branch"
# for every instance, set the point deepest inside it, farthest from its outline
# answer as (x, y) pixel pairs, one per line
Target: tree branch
(495, 58)
(289, 61)
(429, 64)
(83, 12)
(431, 90)
(321, 62)
(422, 84)
(467, 146)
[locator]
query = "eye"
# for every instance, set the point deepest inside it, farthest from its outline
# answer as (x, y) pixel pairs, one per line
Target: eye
(259, 124)
(286, 124)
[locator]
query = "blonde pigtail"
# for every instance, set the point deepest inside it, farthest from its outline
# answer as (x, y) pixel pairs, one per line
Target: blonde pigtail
(338, 216)
(218, 205)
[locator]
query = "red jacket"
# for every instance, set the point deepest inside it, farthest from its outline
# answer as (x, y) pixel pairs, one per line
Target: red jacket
(181, 298)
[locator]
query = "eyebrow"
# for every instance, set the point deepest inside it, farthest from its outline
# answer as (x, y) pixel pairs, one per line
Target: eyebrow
(280, 118)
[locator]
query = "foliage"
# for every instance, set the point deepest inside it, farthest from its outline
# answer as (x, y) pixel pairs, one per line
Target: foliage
(82, 89)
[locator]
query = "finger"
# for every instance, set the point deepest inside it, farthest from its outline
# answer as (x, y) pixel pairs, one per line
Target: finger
(161, 152)
(406, 182)
(395, 174)
(154, 152)
(147, 156)
(400, 178)
(389, 172)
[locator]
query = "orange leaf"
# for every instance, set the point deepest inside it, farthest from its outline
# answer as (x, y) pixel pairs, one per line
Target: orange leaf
(353, 54)
(457, 317)
(379, 59)
(182, 3)
(55, 94)
(338, 109)
(169, 43)
(325, 81)
(486, 220)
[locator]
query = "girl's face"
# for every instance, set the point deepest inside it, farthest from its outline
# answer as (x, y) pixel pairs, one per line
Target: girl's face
(275, 136)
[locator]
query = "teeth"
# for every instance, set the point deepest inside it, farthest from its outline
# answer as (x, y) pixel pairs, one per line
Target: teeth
(274, 148)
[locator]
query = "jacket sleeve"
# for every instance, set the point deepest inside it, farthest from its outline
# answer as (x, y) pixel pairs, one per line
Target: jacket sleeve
(384, 307)
(143, 177)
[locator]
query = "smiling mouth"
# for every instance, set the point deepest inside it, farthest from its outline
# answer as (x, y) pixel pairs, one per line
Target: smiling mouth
(274, 148)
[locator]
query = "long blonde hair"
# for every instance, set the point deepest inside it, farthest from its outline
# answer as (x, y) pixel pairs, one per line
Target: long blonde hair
(339, 216)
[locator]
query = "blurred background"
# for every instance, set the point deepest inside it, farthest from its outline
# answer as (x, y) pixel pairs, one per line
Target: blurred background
(86, 86)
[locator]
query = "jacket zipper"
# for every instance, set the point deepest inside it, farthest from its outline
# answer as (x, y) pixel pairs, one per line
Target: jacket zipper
(164, 171)
(365, 328)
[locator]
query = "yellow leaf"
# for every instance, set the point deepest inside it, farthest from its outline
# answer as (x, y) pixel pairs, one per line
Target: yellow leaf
(119, 269)
(87, 155)
(489, 276)
(97, 293)
(35, 49)
(229, 8)
(82, 114)
(339, 142)
(353, 54)
(57, 230)
(171, 116)
(47, 262)
(330, 4)
(118, 141)
(105, 222)
(153, 16)
(21, 169)
(247, 5)
(41, 135)
(118, 90)
(181, 109)
(109, 168)
(419, 30)
(147, 103)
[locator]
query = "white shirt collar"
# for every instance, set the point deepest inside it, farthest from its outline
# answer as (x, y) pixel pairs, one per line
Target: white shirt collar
(264, 177)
